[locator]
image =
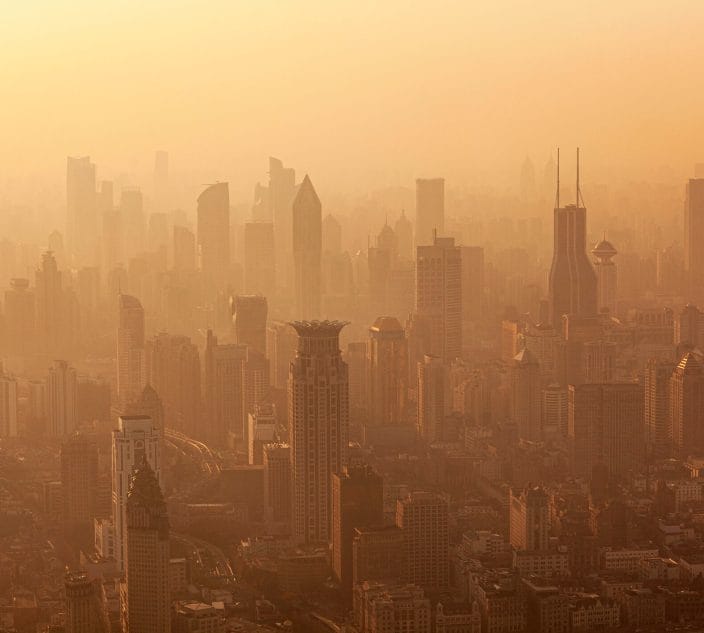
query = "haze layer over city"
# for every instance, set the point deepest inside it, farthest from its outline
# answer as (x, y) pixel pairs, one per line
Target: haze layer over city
(351, 318)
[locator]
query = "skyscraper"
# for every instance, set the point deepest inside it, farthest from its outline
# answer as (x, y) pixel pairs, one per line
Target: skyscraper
(318, 419)
(81, 221)
(8, 405)
(307, 250)
(61, 392)
(214, 231)
(281, 343)
(184, 249)
(82, 604)
(526, 395)
(694, 236)
(249, 315)
(605, 276)
(687, 406)
(529, 520)
(148, 595)
(52, 313)
(388, 364)
(430, 209)
(433, 398)
(423, 518)
(282, 190)
(573, 283)
(131, 369)
(439, 295)
(79, 478)
(135, 440)
(20, 317)
(657, 407)
(277, 482)
(259, 259)
(357, 501)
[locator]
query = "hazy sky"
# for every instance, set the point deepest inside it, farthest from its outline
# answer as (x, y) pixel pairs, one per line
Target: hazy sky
(362, 92)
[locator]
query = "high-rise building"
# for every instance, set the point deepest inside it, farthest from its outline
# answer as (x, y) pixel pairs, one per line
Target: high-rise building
(135, 440)
(223, 388)
(694, 236)
(526, 396)
(255, 390)
(423, 518)
(657, 407)
(403, 230)
(573, 283)
(147, 599)
(214, 231)
(79, 478)
(606, 278)
(277, 482)
(357, 360)
(434, 398)
(259, 259)
(307, 250)
(82, 604)
(529, 520)
(61, 393)
(687, 406)
(357, 501)
(173, 370)
(430, 209)
(281, 342)
(131, 361)
(554, 411)
(52, 310)
(8, 405)
(605, 428)
(377, 554)
(439, 295)
(318, 421)
(282, 190)
(81, 221)
(472, 287)
(184, 249)
(20, 318)
(689, 326)
(388, 364)
(261, 431)
(249, 315)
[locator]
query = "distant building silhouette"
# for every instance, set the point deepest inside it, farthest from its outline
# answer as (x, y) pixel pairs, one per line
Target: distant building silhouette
(307, 250)
(81, 220)
(214, 231)
(430, 210)
(61, 394)
(131, 368)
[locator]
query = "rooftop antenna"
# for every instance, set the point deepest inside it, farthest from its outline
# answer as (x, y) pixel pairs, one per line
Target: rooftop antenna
(557, 193)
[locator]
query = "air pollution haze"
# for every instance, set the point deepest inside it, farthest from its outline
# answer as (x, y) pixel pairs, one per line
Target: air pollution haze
(367, 317)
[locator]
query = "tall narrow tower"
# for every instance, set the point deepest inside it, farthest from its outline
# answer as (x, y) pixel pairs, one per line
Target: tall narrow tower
(214, 230)
(319, 420)
(606, 275)
(573, 284)
(307, 250)
(131, 372)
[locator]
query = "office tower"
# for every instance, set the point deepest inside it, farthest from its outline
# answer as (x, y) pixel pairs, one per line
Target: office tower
(81, 220)
(135, 440)
(526, 396)
(82, 604)
(331, 235)
(79, 476)
(259, 259)
(20, 317)
(357, 501)
(403, 229)
(605, 428)
(529, 520)
(430, 210)
(358, 371)
(281, 342)
(61, 391)
(606, 278)
(573, 283)
(249, 316)
(694, 236)
(262, 431)
(255, 389)
(307, 250)
(318, 422)
(131, 368)
(657, 407)
(439, 295)
(52, 316)
(388, 364)
(282, 190)
(223, 388)
(689, 326)
(472, 283)
(599, 361)
(8, 405)
(423, 518)
(184, 249)
(214, 231)
(433, 398)
(148, 595)
(687, 406)
(173, 370)
(277, 482)
(554, 411)
(134, 223)
(377, 554)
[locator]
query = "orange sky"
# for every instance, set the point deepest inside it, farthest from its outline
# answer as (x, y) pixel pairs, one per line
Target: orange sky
(359, 94)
